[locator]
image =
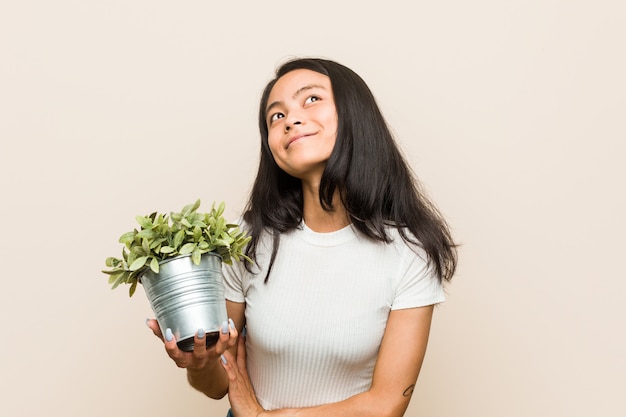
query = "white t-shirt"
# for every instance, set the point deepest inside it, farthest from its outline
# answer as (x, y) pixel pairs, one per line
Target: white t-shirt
(314, 330)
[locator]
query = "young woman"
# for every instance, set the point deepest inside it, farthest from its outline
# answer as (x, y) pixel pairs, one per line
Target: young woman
(350, 259)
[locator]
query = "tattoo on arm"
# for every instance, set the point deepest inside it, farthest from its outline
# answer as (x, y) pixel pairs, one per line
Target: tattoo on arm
(409, 390)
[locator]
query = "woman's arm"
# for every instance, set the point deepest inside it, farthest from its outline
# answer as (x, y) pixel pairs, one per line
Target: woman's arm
(202, 364)
(395, 374)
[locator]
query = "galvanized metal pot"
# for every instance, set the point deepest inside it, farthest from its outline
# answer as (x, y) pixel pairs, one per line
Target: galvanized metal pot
(186, 297)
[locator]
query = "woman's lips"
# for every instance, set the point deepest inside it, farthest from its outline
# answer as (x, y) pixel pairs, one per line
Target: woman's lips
(297, 137)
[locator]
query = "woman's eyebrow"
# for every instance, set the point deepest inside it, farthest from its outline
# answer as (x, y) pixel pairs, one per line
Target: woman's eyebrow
(305, 88)
(295, 95)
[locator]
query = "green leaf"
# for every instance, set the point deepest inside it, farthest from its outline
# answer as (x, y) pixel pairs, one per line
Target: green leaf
(187, 248)
(190, 208)
(178, 238)
(146, 234)
(186, 210)
(157, 242)
(167, 249)
(138, 251)
(145, 245)
(196, 256)
(127, 237)
(218, 229)
(144, 222)
(115, 276)
(221, 242)
(122, 278)
(132, 288)
(197, 233)
(220, 209)
(112, 262)
(138, 263)
(154, 265)
(161, 220)
(199, 223)
(211, 220)
(227, 238)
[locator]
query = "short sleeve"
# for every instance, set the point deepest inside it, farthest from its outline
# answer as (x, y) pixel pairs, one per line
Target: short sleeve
(233, 281)
(234, 275)
(418, 284)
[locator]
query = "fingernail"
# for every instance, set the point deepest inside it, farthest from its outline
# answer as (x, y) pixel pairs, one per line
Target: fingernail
(223, 359)
(147, 321)
(168, 334)
(224, 327)
(200, 333)
(232, 323)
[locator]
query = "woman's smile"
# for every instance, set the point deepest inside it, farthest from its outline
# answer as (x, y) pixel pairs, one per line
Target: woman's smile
(298, 137)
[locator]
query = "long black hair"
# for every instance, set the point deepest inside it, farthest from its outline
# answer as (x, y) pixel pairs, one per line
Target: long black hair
(374, 182)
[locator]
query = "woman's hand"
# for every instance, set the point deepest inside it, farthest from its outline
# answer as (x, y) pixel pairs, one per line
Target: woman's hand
(240, 392)
(201, 356)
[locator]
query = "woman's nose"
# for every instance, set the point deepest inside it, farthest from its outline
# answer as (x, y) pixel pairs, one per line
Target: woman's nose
(289, 125)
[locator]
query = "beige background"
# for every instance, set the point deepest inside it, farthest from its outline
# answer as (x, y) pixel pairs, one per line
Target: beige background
(511, 112)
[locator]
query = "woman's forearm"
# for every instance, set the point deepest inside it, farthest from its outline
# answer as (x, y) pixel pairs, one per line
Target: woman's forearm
(367, 404)
(211, 380)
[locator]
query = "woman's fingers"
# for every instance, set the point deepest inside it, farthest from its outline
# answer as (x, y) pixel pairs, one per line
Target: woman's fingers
(240, 392)
(199, 346)
(177, 355)
(236, 366)
(229, 363)
(200, 355)
(227, 338)
(154, 326)
(233, 333)
(196, 359)
(168, 340)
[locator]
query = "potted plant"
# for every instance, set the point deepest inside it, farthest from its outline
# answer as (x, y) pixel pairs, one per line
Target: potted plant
(178, 259)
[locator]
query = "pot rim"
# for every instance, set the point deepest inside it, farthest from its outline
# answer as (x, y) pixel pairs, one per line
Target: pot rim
(173, 258)
(164, 261)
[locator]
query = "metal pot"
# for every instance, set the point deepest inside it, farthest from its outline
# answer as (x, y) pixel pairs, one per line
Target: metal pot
(186, 297)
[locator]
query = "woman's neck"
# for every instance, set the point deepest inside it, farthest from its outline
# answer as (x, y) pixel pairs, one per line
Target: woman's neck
(320, 220)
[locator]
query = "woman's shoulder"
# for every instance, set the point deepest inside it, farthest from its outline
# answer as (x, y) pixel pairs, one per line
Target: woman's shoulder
(405, 241)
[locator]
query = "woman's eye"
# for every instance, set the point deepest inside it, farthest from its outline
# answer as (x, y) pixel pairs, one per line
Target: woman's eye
(276, 116)
(311, 99)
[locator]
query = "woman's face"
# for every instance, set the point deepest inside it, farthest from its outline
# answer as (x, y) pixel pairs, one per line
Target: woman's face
(302, 123)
